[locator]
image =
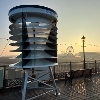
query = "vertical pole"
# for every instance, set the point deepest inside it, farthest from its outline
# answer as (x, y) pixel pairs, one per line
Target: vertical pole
(24, 84)
(54, 83)
(33, 72)
(23, 78)
(84, 54)
(95, 67)
(4, 79)
(54, 72)
(70, 66)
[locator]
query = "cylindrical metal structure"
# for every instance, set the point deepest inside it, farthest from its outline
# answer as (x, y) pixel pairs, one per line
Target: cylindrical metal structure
(34, 31)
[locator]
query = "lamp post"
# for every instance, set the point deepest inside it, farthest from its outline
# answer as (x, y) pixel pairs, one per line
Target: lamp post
(83, 40)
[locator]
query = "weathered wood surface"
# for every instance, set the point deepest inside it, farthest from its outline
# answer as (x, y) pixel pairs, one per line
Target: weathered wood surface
(81, 90)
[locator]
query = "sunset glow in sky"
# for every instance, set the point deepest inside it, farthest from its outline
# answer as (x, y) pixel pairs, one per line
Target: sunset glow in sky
(75, 19)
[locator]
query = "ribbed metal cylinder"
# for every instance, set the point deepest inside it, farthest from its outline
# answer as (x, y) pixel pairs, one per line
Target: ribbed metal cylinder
(34, 31)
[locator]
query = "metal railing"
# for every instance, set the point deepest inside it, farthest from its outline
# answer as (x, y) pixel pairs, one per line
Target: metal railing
(67, 66)
(14, 77)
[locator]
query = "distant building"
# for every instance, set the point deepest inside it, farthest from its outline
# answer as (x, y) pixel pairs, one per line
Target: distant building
(90, 55)
(65, 55)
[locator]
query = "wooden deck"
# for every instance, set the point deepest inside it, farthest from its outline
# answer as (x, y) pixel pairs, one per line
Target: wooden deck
(80, 90)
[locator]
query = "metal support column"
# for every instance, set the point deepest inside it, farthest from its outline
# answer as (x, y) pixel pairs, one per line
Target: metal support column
(24, 84)
(54, 83)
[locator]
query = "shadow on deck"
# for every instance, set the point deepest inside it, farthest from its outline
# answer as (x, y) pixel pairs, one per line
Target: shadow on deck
(80, 90)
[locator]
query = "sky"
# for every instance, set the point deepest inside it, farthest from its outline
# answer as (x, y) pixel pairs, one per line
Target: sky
(75, 19)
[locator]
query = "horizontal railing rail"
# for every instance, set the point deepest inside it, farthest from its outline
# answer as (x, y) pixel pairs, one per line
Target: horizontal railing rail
(12, 77)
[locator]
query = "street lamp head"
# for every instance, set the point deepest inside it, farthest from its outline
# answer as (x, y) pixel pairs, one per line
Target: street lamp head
(83, 38)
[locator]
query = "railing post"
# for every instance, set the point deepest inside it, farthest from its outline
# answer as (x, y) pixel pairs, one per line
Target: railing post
(70, 66)
(33, 72)
(54, 72)
(4, 79)
(95, 67)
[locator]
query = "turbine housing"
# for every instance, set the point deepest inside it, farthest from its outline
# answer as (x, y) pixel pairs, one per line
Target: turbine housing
(34, 31)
